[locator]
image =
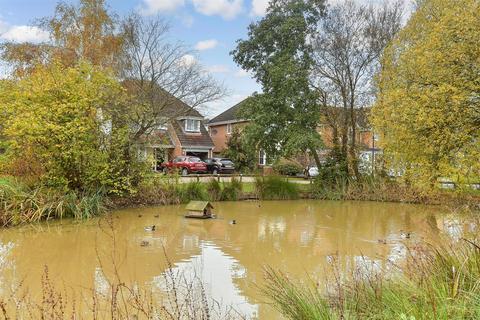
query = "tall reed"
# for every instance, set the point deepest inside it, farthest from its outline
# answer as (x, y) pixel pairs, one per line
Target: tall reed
(22, 204)
(437, 282)
(276, 188)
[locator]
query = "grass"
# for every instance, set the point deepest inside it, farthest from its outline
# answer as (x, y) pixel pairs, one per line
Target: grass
(276, 188)
(436, 282)
(22, 204)
(384, 189)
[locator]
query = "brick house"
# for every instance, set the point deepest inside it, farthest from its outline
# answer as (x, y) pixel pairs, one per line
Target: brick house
(184, 134)
(222, 126)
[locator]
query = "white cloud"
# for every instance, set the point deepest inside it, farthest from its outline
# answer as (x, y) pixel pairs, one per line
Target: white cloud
(24, 34)
(219, 68)
(227, 9)
(188, 60)
(259, 7)
(151, 7)
(206, 44)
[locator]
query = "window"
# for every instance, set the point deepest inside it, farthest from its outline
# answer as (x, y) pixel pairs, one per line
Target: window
(192, 125)
(229, 128)
(262, 158)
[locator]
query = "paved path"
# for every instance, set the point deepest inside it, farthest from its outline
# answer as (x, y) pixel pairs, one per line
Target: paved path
(225, 178)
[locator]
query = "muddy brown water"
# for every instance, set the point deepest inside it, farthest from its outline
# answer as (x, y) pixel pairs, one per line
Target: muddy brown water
(298, 237)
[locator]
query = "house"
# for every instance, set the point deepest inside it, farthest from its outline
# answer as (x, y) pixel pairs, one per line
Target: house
(222, 126)
(183, 134)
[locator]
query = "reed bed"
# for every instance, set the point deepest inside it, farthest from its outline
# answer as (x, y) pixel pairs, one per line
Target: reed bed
(388, 190)
(436, 282)
(276, 188)
(23, 204)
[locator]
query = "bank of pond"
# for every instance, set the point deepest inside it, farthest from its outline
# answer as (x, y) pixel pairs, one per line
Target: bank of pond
(21, 203)
(294, 259)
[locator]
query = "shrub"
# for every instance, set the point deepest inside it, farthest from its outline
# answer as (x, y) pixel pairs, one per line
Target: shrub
(288, 167)
(192, 191)
(214, 189)
(231, 191)
(276, 188)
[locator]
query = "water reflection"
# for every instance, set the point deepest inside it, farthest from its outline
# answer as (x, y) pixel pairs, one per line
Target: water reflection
(299, 237)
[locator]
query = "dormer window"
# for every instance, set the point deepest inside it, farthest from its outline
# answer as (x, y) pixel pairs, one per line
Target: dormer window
(192, 125)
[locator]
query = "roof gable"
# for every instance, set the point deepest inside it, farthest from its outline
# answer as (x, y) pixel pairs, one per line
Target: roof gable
(230, 114)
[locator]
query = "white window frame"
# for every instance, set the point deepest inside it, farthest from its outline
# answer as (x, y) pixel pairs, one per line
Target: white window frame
(262, 159)
(195, 125)
(229, 128)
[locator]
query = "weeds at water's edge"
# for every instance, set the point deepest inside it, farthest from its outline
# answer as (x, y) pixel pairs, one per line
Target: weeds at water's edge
(437, 282)
(388, 190)
(22, 204)
(183, 297)
(276, 188)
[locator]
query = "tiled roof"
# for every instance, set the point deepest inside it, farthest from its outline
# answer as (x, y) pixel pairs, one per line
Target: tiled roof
(201, 139)
(230, 114)
(173, 107)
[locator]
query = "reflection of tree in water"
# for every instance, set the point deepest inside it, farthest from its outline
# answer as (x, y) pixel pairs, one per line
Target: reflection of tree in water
(295, 236)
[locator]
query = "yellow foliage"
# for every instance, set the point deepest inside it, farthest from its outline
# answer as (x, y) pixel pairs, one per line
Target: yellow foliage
(53, 125)
(428, 106)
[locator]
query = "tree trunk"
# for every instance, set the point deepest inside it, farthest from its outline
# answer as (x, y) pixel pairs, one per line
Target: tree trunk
(316, 157)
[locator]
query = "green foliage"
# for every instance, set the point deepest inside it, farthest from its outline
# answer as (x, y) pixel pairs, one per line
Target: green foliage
(22, 204)
(427, 106)
(214, 189)
(450, 292)
(288, 167)
(277, 52)
(56, 132)
(276, 188)
(241, 152)
(192, 191)
(231, 191)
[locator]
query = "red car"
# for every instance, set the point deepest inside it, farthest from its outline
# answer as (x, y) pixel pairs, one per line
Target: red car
(186, 165)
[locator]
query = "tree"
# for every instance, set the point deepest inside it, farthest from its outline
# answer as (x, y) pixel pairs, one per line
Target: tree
(278, 54)
(348, 44)
(55, 123)
(428, 102)
(87, 32)
(158, 73)
(241, 152)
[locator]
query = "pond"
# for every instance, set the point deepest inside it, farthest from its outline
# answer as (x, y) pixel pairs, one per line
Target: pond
(298, 237)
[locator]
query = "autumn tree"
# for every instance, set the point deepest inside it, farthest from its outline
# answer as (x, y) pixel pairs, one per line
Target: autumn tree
(347, 47)
(428, 107)
(56, 127)
(158, 72)
(278, 54)
(86, 32)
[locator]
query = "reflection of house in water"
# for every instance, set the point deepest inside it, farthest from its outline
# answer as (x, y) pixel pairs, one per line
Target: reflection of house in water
(297, 237)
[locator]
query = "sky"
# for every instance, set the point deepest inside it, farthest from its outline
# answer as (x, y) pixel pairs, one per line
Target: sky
(209, 27)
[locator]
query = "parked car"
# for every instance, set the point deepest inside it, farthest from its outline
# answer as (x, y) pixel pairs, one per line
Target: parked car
(186, 165)
(220, 165)
(311, 171)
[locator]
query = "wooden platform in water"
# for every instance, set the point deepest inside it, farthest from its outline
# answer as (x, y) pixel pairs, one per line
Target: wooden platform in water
(194, 216)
